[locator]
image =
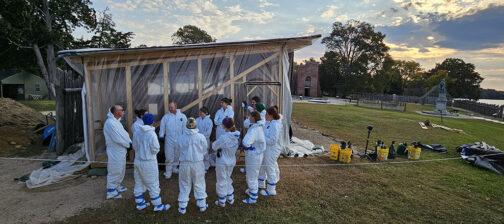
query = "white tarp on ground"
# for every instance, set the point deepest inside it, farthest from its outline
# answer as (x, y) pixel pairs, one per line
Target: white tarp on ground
(300, 148)
(65, 168)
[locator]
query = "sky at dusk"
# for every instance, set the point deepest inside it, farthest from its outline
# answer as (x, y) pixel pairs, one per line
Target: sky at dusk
(427, 31)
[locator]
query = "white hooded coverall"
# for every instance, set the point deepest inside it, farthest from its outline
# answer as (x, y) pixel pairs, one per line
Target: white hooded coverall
(254, 144)
(219, 116)
(146, 173)
(136, 125)
(192, 146)
(227, 144)
(246, 122)
(269, 170)
(205, 126)
(172, 126)
(117, 141)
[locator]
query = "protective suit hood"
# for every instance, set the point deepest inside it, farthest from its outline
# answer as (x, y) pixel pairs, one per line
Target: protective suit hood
(147, 128)
(191, 131)
(111, 115)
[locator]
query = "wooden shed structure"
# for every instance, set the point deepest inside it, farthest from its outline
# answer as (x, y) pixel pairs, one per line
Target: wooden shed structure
(192, 75)
(21, 85)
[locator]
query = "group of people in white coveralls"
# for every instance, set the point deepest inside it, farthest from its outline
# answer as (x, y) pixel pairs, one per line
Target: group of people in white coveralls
(187, 152)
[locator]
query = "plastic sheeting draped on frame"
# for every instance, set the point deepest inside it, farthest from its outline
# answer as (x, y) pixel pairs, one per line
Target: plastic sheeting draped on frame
(193, 76)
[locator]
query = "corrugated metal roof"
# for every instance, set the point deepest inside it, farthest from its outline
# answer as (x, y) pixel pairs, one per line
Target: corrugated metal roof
(102, 51)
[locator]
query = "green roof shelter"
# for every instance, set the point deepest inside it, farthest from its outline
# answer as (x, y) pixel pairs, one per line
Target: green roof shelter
(21, 85)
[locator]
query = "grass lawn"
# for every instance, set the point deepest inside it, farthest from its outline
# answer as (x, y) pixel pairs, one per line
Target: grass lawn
(40, 105)
(448, 191)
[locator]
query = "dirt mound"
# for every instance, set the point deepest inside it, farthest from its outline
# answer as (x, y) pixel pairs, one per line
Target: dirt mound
(17, 123)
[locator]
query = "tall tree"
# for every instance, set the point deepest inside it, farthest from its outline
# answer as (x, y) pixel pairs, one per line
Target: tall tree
(105, 35)
(190, 34)
(45, 27)
(388, 79)
(464, 80)
(407, 69)
(359, 47)
(331, 77)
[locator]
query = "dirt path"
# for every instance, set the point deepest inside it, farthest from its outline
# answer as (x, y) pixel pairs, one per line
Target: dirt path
(56, 202)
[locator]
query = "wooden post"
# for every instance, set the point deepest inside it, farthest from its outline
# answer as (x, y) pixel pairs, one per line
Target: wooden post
(231, 74)
(166, 69)
(89, 114)
(272, 77)
(280, 79)
(99, 100)
(200, 87)
(264, 87)
(129, 100)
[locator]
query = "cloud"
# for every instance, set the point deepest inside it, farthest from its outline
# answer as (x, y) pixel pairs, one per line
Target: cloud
(265, 3)
(403, 51)
(484, 29)
(329, 13)
(219, 22)
(304, 19)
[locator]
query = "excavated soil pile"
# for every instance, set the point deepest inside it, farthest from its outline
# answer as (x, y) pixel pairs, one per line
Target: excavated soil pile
(17, 123)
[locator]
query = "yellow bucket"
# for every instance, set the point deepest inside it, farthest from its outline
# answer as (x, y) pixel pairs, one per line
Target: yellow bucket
(334, 152)
(414, 152)
(383, 153)
(345, 155)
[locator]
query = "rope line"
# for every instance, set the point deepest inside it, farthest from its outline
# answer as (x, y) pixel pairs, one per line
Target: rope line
(280, 165)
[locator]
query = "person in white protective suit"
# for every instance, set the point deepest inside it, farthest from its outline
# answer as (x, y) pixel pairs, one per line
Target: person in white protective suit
(192, 146)
(139, 122)
(146, 174)
(117, 141)
(269, 169)
(255, 105)
(225, 111)
(205, 126)
(226, 147)
(254, 144)
(172, 126)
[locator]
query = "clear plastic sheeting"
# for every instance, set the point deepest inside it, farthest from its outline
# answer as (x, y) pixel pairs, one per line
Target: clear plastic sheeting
(301, 148)
(67, 166)
(193, 76)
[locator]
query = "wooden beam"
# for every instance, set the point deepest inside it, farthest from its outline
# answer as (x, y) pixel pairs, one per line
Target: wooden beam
(200, 83)
(280, 76)
(231, 81)
(274, 92)
(231, 74)
(168, 58)
(224, 51)
(99, 99)
(252, 90)
(129, 100)
(272, 77)
(166, 70)
(89, 114)
(263, 87)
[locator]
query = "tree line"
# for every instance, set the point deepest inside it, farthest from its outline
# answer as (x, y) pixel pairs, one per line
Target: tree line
(358, 60)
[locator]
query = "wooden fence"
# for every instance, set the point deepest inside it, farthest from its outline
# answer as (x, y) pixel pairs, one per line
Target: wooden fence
(69, 126)
(481, 108)
(398, 98)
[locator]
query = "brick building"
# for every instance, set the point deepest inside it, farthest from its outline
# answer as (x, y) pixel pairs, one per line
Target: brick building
(306, 80)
